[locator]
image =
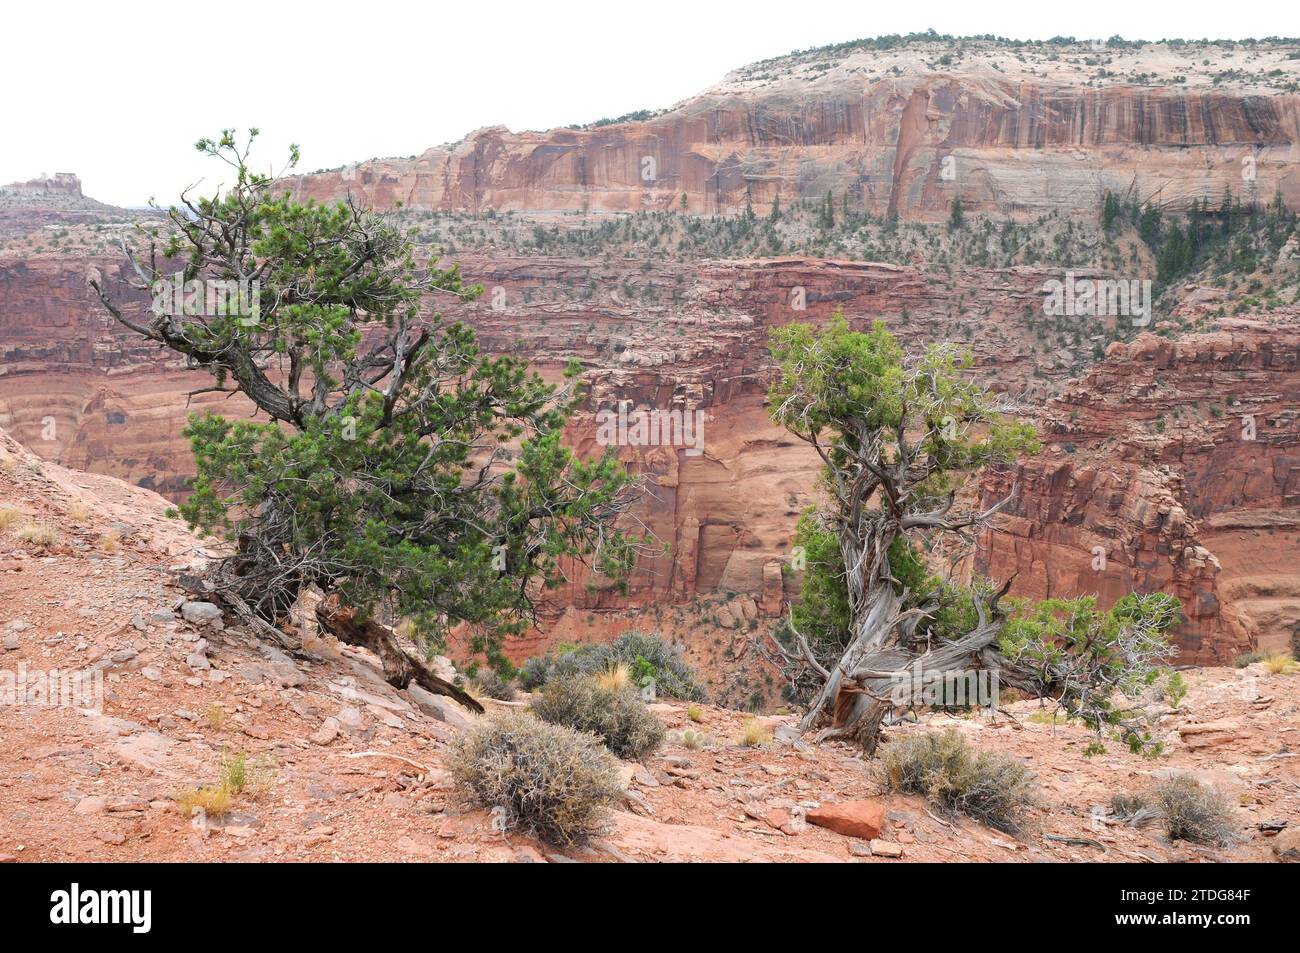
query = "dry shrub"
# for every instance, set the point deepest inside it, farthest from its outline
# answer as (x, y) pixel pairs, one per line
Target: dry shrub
(993, 788)
(1135, 810)
(616, 716)
(1193, 811)
(551, 780)
(488, 683)
(9, 517)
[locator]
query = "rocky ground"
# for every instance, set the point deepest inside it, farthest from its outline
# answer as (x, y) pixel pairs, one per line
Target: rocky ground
(344, 767)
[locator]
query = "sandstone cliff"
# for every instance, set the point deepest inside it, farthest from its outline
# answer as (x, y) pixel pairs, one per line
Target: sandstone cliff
(1165, 504)
(1174, 465)
(50, 200)
(896, 132)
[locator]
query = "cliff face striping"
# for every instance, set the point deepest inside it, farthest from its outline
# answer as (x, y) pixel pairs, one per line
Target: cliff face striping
(898, 147)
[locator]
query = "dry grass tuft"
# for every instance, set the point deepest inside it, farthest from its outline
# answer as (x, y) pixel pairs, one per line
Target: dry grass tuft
(215, 716)
(694, 740)
(40, 535)
(214, 800)
(754, 734)
(614, 678)
(1281, 664)
(238, 776)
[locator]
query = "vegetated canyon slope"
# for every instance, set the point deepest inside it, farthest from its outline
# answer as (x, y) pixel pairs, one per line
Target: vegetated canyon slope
(1142, 424)
(339, 765)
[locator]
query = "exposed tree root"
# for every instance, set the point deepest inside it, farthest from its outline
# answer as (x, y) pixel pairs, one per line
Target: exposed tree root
(400, 666)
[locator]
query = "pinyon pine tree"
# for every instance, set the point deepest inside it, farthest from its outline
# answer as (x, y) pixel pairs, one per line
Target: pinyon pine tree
(391, 466)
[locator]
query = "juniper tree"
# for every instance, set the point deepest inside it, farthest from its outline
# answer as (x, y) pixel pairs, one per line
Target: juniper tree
(897, 437)
(391, 465)
(1110, 212)
(956, 215)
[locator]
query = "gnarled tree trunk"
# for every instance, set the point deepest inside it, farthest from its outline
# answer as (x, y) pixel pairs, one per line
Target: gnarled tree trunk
(878, 676)
(400, 666)
(869, 632)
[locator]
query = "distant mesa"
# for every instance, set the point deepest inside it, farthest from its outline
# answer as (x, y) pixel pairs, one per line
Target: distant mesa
(51, 200)
(61, 183)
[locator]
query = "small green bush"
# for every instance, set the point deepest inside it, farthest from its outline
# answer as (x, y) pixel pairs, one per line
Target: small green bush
(1174, 689)
(558, 783)
(535, 671)
(488, 682)
(617, 716)
(1250, 658)
(992, 788)
(646, 656)
(1193, 811)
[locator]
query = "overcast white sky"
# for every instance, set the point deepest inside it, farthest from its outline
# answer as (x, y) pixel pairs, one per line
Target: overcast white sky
(118, 91)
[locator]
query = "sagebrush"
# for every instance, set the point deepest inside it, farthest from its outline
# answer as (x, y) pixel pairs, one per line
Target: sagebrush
(991, 787)
(555, 782)
(615, 715)
(1193, 811)
(643, 654)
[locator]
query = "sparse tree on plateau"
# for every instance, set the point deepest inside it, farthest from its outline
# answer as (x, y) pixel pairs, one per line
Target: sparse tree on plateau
(1110, 212)
(956, 215)
(392, 466)
(897, 437)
